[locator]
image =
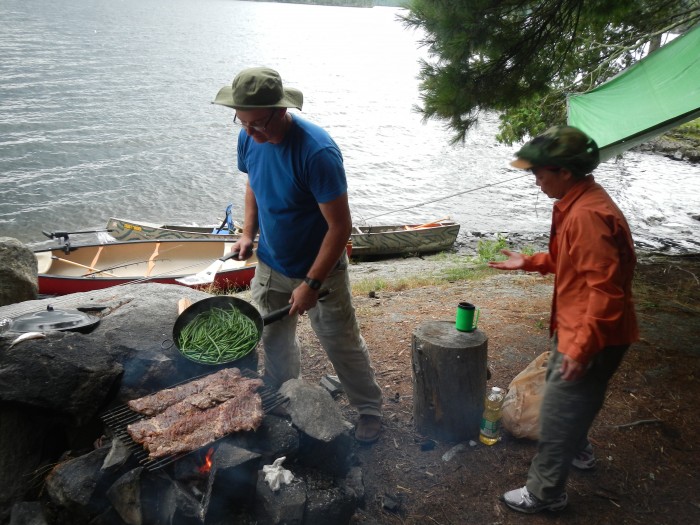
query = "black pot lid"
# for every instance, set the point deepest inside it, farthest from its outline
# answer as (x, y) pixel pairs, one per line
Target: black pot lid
(50, 319)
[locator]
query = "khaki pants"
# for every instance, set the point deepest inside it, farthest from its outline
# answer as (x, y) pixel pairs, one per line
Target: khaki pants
(334, 322)
(567, 413)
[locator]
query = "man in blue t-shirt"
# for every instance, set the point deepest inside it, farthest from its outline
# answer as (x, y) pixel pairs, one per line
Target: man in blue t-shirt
(296, 199)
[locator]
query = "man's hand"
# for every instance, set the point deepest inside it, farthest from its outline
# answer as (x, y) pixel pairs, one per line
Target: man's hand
(244, 246)
(515, 261)
(303, 299)
(572, 370)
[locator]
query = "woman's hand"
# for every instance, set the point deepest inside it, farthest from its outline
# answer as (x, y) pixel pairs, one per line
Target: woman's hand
(572, 370)
(515, 261)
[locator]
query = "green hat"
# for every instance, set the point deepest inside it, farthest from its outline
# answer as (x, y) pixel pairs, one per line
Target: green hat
(560, 146)
(259, 87)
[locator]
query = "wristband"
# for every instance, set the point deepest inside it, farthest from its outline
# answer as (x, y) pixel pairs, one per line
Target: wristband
(312, 283)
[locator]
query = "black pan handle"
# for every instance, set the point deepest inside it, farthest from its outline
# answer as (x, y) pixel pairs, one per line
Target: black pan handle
(228, 256)
(284, 312)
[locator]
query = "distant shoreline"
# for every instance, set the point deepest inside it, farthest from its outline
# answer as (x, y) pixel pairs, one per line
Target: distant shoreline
(673, 146)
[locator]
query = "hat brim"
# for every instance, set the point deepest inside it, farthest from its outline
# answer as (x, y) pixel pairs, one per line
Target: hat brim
(522, 164)
(293, 98)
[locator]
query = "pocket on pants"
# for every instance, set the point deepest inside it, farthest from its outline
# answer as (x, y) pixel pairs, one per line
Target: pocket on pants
(260, 284)
(341, 265)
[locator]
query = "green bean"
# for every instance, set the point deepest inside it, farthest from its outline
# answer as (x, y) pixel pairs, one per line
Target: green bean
(218, 336)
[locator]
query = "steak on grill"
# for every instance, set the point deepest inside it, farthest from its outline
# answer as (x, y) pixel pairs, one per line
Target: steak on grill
(202, 417)
(158, 402)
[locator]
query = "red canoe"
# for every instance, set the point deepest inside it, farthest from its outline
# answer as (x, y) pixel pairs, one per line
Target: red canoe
(83, 268)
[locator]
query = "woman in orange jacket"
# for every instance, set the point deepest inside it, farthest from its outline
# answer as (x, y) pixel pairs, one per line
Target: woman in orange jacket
(593, 321)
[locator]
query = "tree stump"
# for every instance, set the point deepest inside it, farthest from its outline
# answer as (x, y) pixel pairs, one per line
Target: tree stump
(449, 380)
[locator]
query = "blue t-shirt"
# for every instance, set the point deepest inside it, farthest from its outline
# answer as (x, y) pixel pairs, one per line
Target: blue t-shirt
(289, 180)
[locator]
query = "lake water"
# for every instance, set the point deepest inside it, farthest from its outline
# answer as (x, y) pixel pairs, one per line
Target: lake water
(105, 112)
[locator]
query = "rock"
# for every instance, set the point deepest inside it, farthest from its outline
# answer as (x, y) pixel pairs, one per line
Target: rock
(28, 513)
(325, 441)
(76, 484)
(673, 145)
(305, 403)
(125, 496)
(331, 384)
(275, 436)
(68, 375)
(354, 481)
(22, 437)
(18, 272)
(284, 507)
(330, 506)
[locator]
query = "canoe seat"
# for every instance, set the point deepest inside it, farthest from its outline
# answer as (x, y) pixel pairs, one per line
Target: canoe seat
(44, 261)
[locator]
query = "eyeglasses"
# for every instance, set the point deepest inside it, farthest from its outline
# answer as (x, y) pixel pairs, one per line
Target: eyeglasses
(256, 127)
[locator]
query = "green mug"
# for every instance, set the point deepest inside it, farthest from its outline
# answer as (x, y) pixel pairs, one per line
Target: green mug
(467, 317)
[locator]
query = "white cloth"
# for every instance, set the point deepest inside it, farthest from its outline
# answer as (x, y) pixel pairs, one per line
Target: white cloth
(276, 476)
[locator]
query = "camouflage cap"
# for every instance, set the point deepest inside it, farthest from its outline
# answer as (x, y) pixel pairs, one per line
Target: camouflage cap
(259, 87)
(561, 146)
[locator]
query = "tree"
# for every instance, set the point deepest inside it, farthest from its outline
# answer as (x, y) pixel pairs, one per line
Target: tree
(521, 58)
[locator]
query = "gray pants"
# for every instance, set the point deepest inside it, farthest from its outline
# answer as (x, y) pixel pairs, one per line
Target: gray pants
(567, 413)
(334, 322)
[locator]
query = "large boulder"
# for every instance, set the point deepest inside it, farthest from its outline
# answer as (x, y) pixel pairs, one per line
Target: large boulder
(18, 272)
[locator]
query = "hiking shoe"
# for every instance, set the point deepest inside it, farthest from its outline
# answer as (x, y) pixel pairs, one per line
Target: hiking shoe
(368, 428)
(523, 500)
(584, 460)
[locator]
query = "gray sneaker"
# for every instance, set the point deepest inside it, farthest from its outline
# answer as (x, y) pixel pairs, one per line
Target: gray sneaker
(523, 500)
(584, 460)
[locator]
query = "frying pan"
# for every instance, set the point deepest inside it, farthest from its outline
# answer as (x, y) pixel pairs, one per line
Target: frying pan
(231, 303)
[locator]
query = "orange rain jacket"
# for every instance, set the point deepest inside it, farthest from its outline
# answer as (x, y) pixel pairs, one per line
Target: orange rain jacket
(591, 253)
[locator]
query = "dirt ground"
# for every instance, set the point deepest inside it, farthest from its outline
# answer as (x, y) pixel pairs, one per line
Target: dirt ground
(645, 436)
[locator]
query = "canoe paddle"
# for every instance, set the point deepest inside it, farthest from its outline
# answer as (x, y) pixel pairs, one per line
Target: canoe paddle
(93, 270)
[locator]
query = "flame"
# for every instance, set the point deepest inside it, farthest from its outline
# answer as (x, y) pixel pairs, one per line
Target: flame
(206, 467)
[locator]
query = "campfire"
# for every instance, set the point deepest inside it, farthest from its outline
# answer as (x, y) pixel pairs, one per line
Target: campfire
(206, 466)
(219, 483)
(68, 457)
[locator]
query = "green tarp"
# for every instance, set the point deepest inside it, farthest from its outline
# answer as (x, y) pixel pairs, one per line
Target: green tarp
(658, 93)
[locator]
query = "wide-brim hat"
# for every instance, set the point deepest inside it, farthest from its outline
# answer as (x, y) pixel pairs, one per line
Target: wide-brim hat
(259, 87)
(562, 147)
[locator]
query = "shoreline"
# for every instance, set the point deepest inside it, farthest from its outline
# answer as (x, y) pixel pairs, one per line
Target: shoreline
(422, 267)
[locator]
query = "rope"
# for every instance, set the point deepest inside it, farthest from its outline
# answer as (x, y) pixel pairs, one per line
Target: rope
(447, 197)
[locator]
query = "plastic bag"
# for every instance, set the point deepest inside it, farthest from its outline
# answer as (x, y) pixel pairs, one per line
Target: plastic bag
(521, 408)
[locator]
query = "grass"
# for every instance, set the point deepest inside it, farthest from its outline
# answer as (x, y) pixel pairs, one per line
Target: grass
(667, 282)
(690, 129)
(453, 268)
(686, 134)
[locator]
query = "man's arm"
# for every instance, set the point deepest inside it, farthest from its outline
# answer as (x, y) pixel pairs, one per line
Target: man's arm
(337, 215)
(250, 226)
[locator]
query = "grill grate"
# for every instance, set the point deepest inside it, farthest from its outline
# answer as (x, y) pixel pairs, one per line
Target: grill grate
(118, 418)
